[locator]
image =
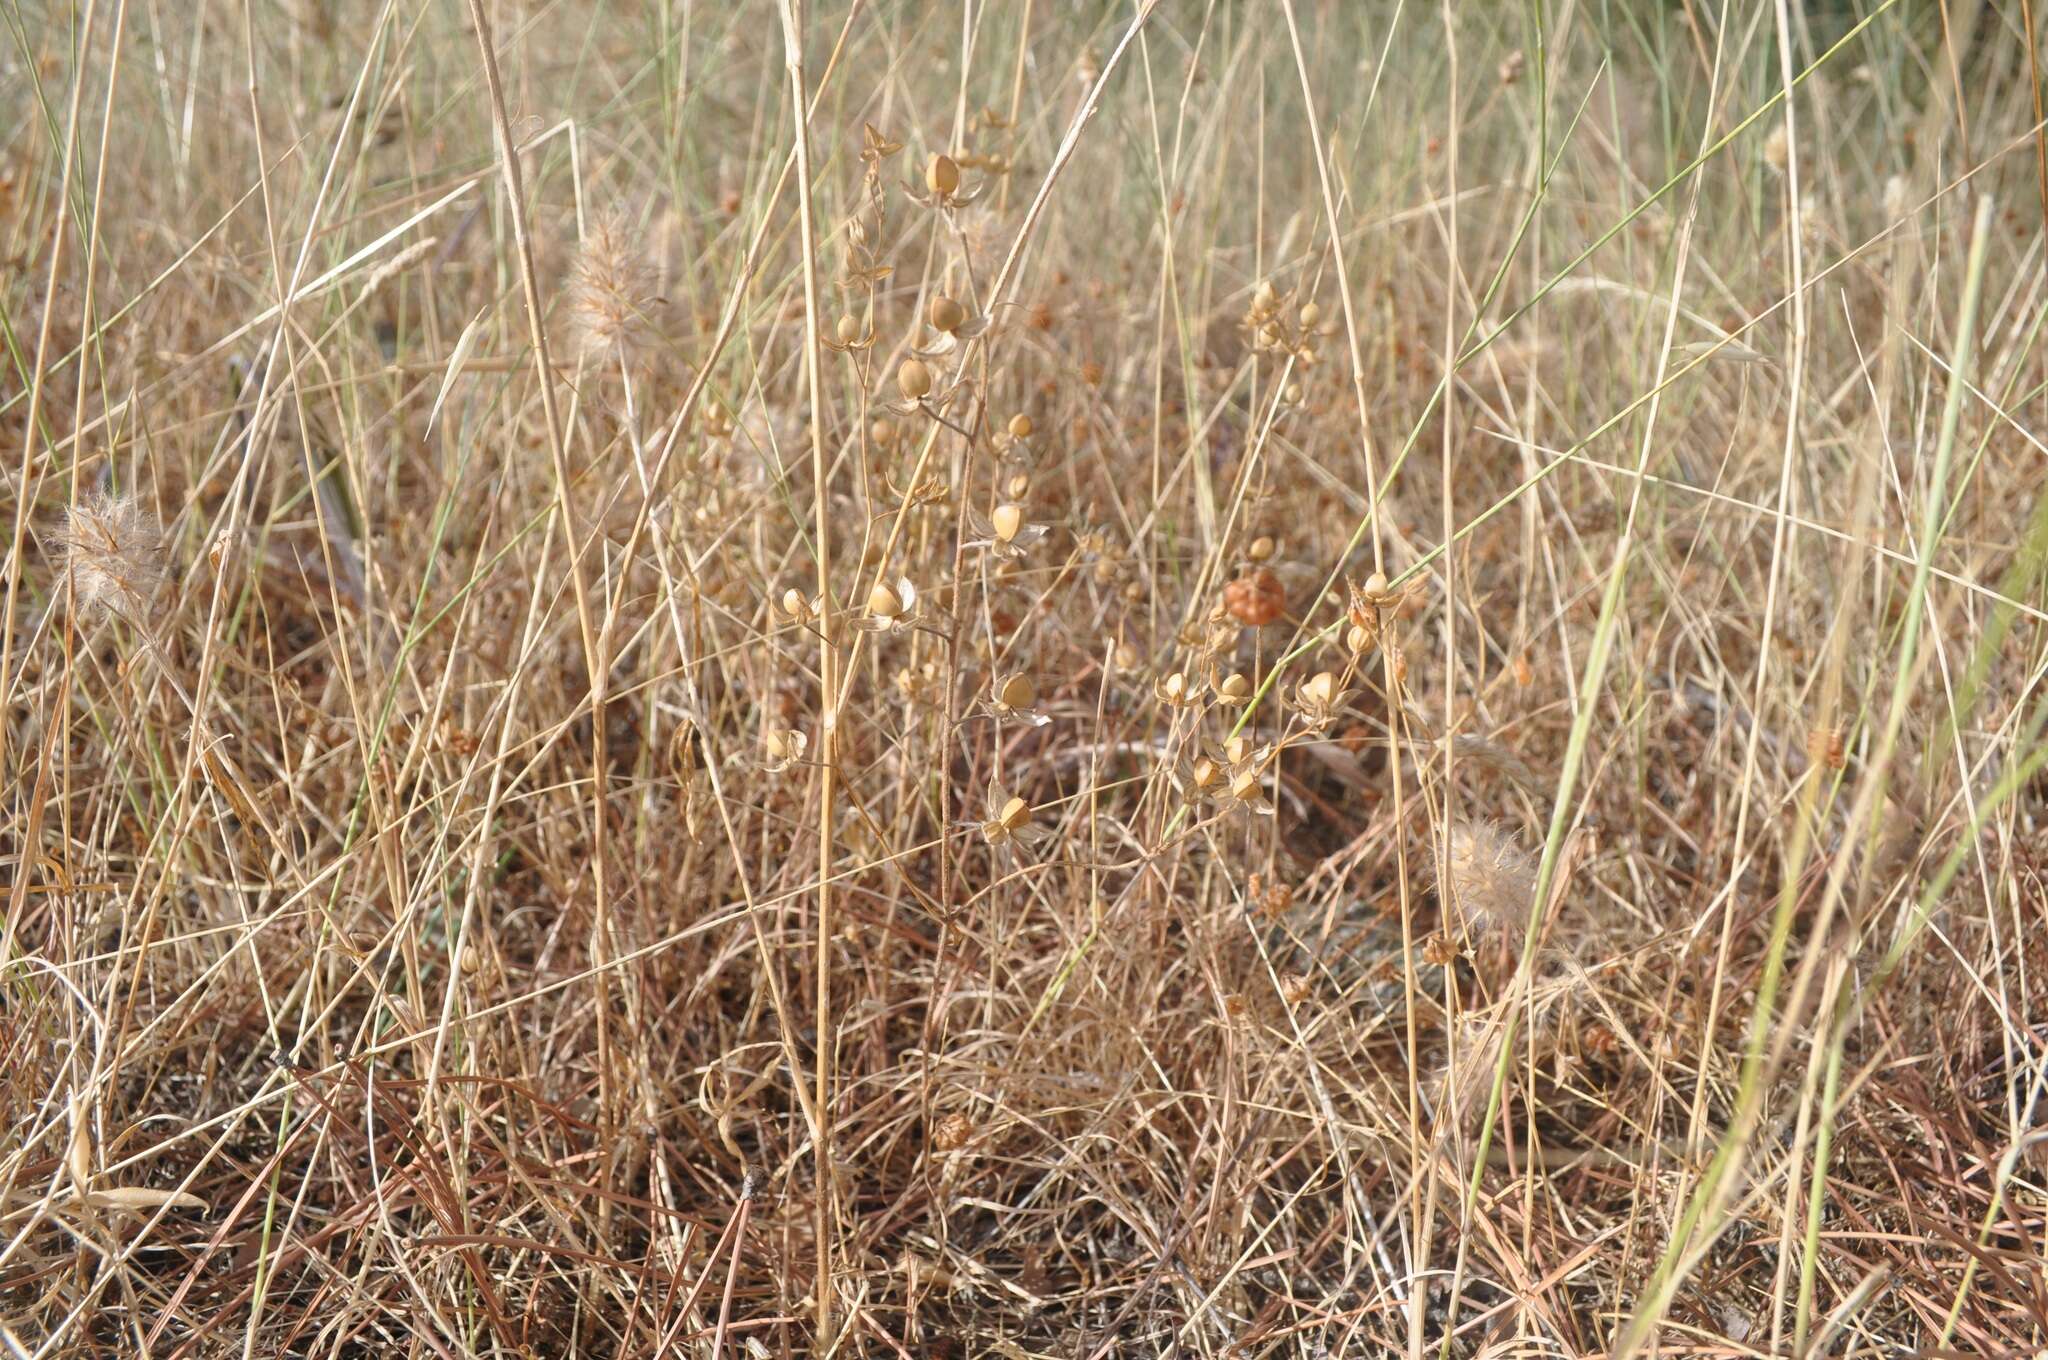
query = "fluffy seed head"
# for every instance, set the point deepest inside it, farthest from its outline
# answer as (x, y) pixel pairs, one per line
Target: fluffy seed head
(114, 552)
(1490, 878)
(611, 289)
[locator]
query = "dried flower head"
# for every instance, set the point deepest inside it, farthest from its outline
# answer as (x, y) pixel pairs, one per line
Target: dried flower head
(1488, 878)
(1233, 689)
(1247, 791)
(1175, 691)
(1826, 746)
(782, 747)
(1257, 599)
(1015, 698)
(1203, 775)
(1319, 698)
(1007, 825)
(611, 289)
(800, 608)
(941, 187)
(952, 1132)
(114, 553)
(914, 380)
(890, 607)
(1005, 533)
(848, 334)
(919, 684)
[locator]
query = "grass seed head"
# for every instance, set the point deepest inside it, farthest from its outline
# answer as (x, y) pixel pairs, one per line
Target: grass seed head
(1489, 878)
(611, 290)
(115, 555)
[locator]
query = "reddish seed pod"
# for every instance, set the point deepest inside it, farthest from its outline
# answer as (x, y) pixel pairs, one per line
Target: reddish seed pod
(1255, 600)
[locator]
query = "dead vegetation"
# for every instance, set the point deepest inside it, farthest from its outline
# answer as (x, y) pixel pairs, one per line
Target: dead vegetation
(1201, 679)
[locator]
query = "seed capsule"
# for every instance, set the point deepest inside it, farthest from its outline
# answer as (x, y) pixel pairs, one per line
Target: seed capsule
(849, 330)
(913, 380)
(941, 175)
(946, 314)
(1234, 689)
(1016, 691)
(1310, 314)
(884, 602)
(1007, 520)
(1261, 550)
(1020, 426)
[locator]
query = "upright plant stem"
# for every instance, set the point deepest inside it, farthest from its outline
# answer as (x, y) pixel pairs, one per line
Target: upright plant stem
(828, 720)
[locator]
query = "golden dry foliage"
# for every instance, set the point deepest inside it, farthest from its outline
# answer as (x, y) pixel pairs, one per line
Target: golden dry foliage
(937, 738)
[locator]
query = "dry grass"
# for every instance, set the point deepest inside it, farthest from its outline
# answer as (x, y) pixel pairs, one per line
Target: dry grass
(1008, 732)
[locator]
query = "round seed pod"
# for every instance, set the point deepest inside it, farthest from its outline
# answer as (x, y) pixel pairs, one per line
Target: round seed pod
(1255, 600)
(1018, 484)
(946, 315)
(849, 330)
(1020, 426)
(1261, 549)
(1016, 691)
(884, 602)
(882, 432)
(1310, 314)
(941, 175)
(1007, 519)
(913, 380)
